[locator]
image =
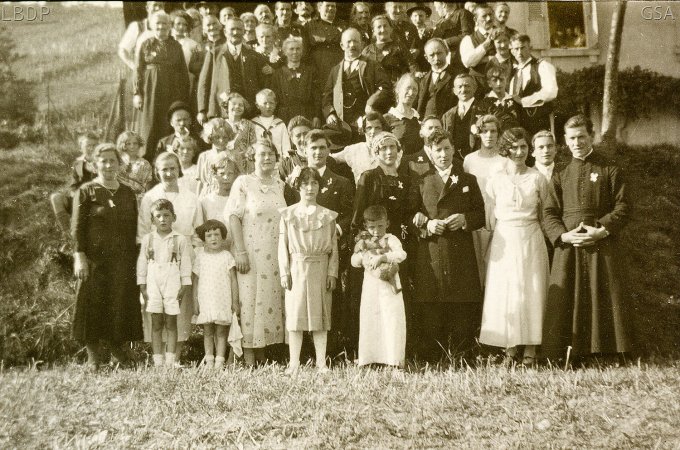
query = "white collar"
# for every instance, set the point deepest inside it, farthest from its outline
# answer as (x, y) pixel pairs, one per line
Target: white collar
(234, 48)
(492, 94)
(440, 71)
(322, 170)
(482, 32)
(168, 236)
(396, 113)
(446, 172)
(542, 168)
(523, 65)
(587, 155)
(466, 103)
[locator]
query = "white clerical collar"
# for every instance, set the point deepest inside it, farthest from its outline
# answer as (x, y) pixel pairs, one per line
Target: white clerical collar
(399, 115)
(586, 156)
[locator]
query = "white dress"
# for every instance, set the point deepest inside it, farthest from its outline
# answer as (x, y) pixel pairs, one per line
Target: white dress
(481, 168)
(517, 275)
(382, 319)
(214, 286)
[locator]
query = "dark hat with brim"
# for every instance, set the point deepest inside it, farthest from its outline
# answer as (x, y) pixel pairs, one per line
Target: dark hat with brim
(177, 106)
(339, 136)
(419, 7)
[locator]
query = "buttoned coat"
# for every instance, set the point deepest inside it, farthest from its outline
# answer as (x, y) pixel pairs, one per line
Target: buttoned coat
(441, 99)
(446, 268)
(586, 306)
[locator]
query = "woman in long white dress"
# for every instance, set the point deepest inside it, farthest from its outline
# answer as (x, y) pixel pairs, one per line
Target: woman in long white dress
(481, 163)
(517, 274)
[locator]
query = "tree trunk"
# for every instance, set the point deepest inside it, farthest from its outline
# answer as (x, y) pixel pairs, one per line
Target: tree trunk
(611, 75)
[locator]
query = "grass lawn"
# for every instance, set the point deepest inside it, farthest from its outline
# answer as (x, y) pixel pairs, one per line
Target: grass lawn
(488, 407)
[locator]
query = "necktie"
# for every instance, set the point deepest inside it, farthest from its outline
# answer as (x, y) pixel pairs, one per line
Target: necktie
(517, 86)
(461, 110)
(435, 77)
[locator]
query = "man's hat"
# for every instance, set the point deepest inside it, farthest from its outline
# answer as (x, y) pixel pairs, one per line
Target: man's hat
(177, 106)
(419, 7)
(340, 136)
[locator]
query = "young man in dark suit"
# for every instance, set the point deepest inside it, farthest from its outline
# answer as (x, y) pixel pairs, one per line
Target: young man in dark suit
(447, 302)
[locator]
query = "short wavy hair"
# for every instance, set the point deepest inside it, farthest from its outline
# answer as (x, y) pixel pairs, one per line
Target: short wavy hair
(306, 175)
(210, 225)
(509, 137)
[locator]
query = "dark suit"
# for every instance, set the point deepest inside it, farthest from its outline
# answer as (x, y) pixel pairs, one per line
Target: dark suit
(375, 87)
(447, 296)
(437, 98)
(459, 128)
(215, 77)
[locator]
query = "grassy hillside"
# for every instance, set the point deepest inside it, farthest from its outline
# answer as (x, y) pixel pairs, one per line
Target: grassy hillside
(487, 407)
(74, 50)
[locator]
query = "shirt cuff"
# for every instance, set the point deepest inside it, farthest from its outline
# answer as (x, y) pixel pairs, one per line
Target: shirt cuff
(141, 280)
(339, 230)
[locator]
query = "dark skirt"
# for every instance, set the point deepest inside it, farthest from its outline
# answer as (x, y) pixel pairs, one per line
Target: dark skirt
(107, 303)
(586, 306)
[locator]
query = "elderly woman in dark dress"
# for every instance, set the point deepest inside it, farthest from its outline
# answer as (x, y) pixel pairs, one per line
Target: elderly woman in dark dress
(104, 227)
(161, 78)
(403, 119)
(387, 51)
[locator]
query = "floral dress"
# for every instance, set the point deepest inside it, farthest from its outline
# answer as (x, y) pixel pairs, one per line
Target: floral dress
(257, 206)
(214, 286)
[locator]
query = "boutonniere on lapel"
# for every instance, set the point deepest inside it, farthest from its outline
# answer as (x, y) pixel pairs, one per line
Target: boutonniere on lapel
(392, 197)
(330, 181)
(385, 52)
(594, 176)
(466, 189)
(454, 179)
(324, 189)
(420, 159)
(400, 185)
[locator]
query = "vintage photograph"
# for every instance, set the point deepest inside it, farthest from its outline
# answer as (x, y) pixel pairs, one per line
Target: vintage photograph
(340, 224)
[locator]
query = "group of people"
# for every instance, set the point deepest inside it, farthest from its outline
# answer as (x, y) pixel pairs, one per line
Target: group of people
(376, 184)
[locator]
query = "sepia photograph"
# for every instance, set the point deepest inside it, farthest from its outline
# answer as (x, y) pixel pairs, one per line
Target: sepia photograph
(340, 224)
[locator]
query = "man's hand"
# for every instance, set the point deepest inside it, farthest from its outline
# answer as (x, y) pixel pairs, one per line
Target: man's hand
(419, 219)
(436, 226)
(455, 222)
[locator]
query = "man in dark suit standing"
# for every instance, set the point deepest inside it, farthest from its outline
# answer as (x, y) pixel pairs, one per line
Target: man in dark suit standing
(353, 85)
(455, 23)
(234, 68)
(434, 95)
(447, 296)
(458, 120)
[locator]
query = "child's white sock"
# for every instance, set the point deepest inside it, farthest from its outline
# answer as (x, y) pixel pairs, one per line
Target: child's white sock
(170, 359)
(157, 360)
(219, 362)
(209, 361)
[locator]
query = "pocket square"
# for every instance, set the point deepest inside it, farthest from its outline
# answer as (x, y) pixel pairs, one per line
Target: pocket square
(466, 189)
